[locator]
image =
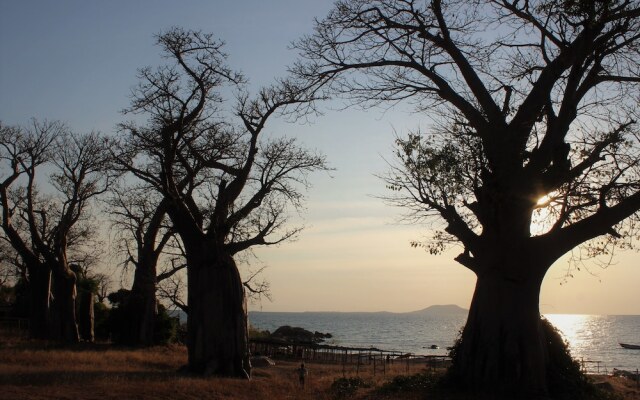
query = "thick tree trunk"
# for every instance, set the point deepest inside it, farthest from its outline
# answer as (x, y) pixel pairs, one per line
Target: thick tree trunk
(86, 317)
(39, 301)
(217, 335)
(65, 327)
(502, 347)
(141, 308)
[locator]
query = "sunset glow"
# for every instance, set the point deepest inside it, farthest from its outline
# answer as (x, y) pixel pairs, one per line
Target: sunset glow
(354, 253)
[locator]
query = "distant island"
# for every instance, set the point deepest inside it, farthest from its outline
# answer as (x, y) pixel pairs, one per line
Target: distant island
(447, 309)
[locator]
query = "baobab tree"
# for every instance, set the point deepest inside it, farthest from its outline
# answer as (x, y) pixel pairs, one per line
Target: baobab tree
(138, 215)
(226, 188)
(533, 107)
(18, 148)
(47, 227)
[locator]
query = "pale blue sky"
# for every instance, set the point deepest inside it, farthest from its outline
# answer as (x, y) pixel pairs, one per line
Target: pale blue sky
(76, 61)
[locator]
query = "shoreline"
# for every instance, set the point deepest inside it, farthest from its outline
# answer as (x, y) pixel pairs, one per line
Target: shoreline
(594, 339)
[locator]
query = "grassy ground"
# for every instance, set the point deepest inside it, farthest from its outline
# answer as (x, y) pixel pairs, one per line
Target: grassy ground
(33, 370)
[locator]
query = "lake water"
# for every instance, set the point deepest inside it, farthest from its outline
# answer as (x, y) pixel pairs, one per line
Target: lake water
(590, 337)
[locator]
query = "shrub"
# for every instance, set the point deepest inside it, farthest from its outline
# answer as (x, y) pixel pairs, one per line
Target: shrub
(7, 296)
(166, 327)
(18, 299)
(255, 333)
(346, 387)
(119, 325)
(408, 383)
(101, 321)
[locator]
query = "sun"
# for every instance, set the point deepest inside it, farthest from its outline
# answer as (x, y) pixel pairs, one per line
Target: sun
(543, 201)
(541, 218)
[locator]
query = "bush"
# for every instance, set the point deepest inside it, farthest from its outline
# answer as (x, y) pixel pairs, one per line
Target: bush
(119, 324)
(346, 387)
(166, 327)
(101, 321)
(7, 296)
(255, 333)
(410, 383)
(18, 299)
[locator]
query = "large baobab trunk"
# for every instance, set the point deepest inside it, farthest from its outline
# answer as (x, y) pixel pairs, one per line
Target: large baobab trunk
(503, 345)
(141, 307)
(86, 316)
(64, 325)
(39, 301)
(217, 336)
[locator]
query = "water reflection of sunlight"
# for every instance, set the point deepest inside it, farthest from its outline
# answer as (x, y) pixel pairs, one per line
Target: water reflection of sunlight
(575, 328)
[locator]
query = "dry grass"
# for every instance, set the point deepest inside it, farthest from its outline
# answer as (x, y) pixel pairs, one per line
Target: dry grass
(626, 388)
(36, 370)
(33, 370)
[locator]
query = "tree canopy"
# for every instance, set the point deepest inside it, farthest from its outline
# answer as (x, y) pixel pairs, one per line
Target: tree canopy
(228, 183)
(536, 101)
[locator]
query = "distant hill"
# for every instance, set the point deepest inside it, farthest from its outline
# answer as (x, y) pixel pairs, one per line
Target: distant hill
(447, 309)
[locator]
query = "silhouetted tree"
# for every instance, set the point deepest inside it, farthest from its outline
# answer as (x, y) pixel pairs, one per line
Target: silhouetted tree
(225, 189)
(172, 290)
(150, 245)
(534, 105)
(45, 228)
(87, 288)
(104, 283)
(139, 216)
(118, 326)
(31, 148)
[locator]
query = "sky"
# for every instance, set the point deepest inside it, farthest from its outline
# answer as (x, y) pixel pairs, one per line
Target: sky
(76, 61)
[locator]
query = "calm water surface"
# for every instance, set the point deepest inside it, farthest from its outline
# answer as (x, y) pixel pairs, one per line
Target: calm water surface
(598, 338)
(590, 337)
